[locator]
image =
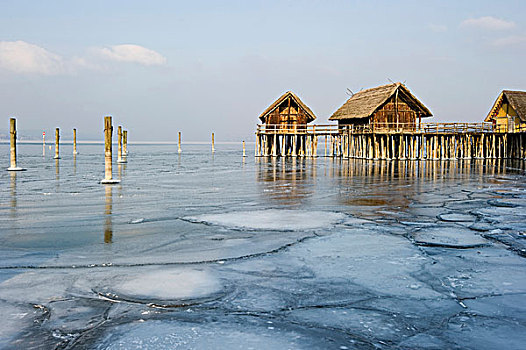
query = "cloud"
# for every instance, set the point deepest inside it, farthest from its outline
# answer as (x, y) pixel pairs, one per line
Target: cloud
(488, 22)
(437, 28)
(513, 40)
(22, 57)
(132, 53)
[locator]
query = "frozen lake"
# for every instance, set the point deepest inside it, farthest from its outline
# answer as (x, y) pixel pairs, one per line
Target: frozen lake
(202, 251)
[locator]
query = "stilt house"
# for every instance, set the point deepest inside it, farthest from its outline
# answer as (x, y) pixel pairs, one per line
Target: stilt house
(508, 113)
(390, 106)
(288, 112)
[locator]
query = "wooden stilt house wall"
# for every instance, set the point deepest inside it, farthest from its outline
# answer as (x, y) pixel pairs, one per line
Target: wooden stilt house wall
(288, 111)
(508, 113)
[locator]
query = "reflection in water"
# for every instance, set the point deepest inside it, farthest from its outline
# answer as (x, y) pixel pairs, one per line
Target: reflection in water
(286, 180)
(57, 170)
(395, 183)
(57, 175)
(370, 183)
(435, 170)
(121, 170)
(74, 164)
(108, 228)
(13, 193)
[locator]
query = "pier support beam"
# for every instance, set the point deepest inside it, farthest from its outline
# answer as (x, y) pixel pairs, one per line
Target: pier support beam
(57, 139)
(179, 144)
(12, 133)
(108, 131)
(125, 142)
(120, 159)
(213, 144)
(75, 142)
(43, 144)
(446, 144)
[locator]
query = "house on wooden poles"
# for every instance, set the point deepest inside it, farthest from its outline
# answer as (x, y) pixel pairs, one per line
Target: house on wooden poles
(508, 113)
(288, 111)
(284, 126)
(386, 107)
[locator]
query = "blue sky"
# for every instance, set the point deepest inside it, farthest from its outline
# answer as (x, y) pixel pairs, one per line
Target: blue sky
(165, 66)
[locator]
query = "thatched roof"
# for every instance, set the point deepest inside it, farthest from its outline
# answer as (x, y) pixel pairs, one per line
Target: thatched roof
(281, 99)
(516, 99)
(364, 103)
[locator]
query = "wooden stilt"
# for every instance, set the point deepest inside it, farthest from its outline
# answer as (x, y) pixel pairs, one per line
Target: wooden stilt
(125, 142)
(57, 139)
(120, 159)
(12, 155)
(75, 142)
(213, 143)
(108, 131)
(179, 144)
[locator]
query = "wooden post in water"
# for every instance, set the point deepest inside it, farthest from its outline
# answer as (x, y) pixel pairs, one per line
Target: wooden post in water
(213, 145)
(57, 138)
(108, 131)
(119, 146)
(179, 144)
(274, 146)
(43, 143)
(125, 142)
(75, 142)
(120, 152)
(12, 132)
(244, 154)
(314, 141)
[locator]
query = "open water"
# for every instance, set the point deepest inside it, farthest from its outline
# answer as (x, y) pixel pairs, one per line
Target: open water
(213, 251)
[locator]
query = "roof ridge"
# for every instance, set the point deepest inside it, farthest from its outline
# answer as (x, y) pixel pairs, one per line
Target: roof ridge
(378, 87)
(365, 102)
(280, 99)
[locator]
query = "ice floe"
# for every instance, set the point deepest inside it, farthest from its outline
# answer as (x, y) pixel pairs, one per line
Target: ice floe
(455, 217)
(272, 219)
(166, 285)
(449, 237)
(219, 334)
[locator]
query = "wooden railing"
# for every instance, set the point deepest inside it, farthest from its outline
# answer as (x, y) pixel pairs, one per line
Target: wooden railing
(506, 128)
(334, 129)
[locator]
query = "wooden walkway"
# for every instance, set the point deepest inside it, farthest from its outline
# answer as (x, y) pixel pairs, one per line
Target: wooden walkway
(431, 141)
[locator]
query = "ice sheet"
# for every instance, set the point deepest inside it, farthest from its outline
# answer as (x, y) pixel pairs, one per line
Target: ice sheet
(217, 251)
(272, 219)
(166, 285)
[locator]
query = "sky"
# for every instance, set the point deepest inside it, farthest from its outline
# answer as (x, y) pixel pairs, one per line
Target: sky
(160, 67)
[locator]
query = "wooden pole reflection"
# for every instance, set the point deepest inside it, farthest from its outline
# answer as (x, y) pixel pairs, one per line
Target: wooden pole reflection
(57, 169)
(108, 227)
(74, 164)
(13, 193)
